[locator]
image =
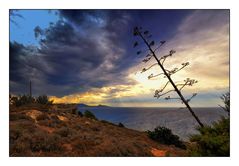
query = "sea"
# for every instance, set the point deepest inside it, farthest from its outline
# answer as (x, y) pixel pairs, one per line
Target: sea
(180, 121)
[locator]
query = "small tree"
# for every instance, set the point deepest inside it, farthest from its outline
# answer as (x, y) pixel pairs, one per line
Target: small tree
(43, 100)
(226, 100)
(212, 140)
(121, 124)
(151, 48)
(165, 136)
(89, 114)
(22, 100)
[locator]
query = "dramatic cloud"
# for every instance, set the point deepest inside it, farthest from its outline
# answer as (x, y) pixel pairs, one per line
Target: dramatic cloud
(87, 56)
(203, 40)
(76, 54)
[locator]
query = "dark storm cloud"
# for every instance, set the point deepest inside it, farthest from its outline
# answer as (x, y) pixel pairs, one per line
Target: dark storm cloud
(38, 31)
(83, 50)
(24, 65)
(16, 51)
(84, 17)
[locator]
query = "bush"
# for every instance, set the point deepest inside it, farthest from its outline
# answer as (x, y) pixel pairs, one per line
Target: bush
(226, 100)
(19, 148)
(120, 125)
(213, 140)
(14, 117)
(30, 144)
(79, 113)
(107, 122)
(52, 121)
(22, 100)
(45, 143)
(165, 136)
(89, 114)
(14, 134)
(43, 100)
(27, 99)
(63, 131)
(43, 116)
(74, 111)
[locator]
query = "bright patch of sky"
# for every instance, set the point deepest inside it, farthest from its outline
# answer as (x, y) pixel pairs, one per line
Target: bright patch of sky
(22, 29)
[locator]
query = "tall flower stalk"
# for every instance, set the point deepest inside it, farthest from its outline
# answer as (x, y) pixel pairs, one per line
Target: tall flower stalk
(177, 87)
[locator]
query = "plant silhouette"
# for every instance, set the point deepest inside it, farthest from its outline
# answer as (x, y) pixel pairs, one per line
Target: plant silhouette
(177, 87)
(226, 100)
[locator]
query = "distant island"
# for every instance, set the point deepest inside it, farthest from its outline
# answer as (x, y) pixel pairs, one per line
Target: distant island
(101, 105)
(85, 105)
(82, 105)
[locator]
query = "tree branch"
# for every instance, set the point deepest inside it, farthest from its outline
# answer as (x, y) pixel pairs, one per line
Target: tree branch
(194, 94)
(145, 69)
(161, 44)
(169, 98)
(165, 86)
(156, 94)
(152, 76)
(223, 108)
(175, 70)
(188, 82)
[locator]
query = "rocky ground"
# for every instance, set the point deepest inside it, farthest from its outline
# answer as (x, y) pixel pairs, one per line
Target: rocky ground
(49, 131)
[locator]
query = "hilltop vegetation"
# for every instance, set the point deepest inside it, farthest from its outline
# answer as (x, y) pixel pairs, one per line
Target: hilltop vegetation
(165, 136)
(27, 99)
(213, 140)
(62, 132)
(40, 128)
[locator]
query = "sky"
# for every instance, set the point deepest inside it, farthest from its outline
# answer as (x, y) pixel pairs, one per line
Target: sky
(87, 56)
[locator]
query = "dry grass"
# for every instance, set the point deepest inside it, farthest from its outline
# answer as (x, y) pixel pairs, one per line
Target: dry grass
(48, 133)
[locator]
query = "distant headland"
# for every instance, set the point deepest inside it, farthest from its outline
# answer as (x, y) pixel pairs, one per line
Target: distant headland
(85, 105)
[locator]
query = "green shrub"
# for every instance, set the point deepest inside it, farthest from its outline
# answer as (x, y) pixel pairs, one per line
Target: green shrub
(27, 99)
(213, 140)
(107, 122)
(226, 100)
(89, 114)
(22, 100)
(79, 113)
(43, 100)
(165, 136)
(120, 125)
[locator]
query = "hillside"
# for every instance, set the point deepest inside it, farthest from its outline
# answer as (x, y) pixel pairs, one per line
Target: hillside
(51, 132)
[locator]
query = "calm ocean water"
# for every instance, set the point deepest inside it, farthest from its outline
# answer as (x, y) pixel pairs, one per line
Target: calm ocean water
(180, 121)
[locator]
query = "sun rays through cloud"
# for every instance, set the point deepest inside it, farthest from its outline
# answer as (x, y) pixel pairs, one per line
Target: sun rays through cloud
(87, 56)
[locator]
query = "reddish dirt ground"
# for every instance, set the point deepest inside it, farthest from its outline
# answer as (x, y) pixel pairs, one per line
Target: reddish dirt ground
(61, 133)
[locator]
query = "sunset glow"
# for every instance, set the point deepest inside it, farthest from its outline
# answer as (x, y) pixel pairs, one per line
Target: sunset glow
(89, 57)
